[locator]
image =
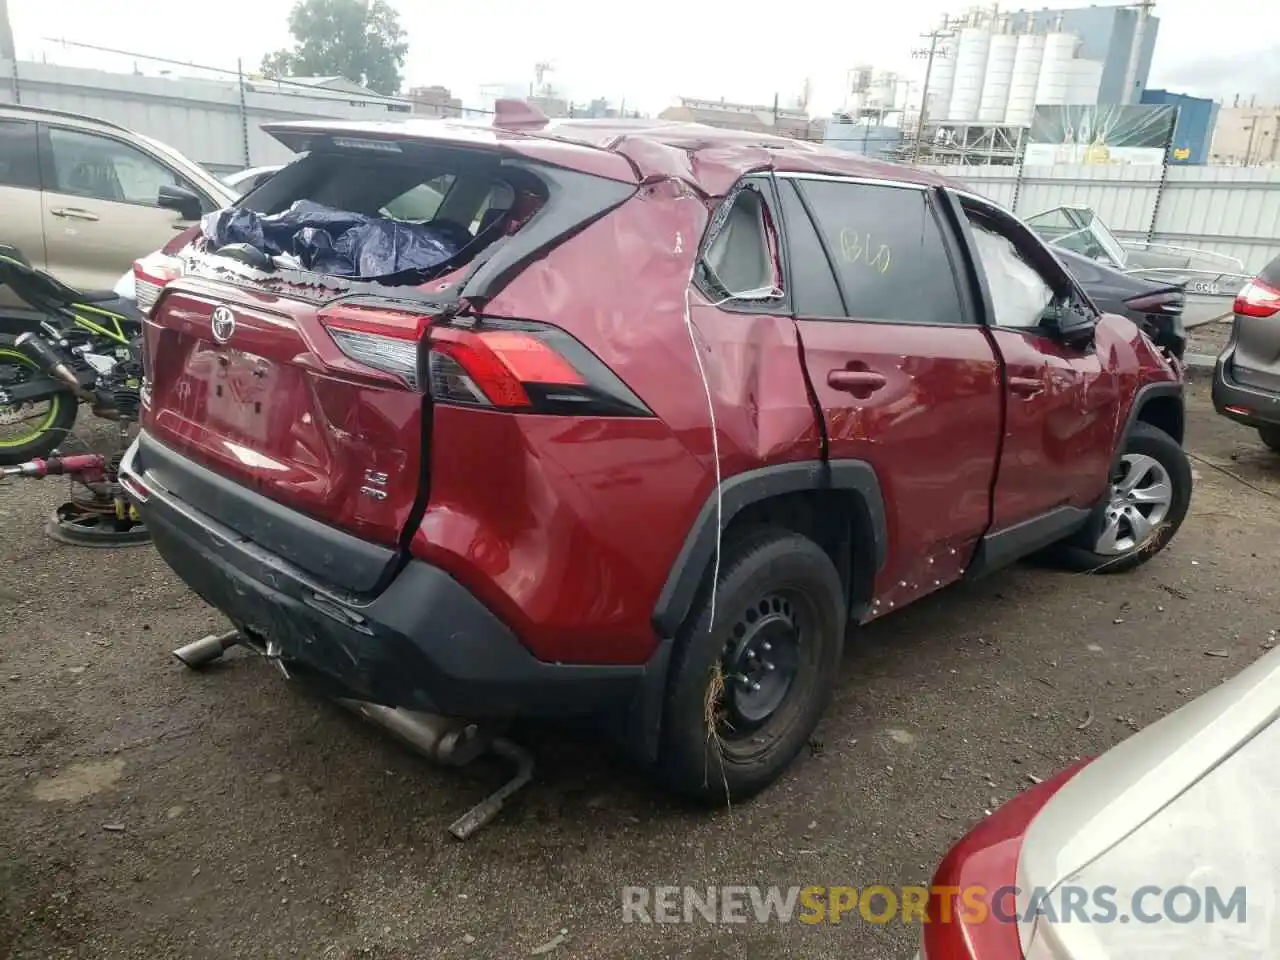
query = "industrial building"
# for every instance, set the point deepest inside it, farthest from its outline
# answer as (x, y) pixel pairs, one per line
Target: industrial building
(1193, 132)
(784, 121)
(1247, 136)
(1121, 39)
(990, 70)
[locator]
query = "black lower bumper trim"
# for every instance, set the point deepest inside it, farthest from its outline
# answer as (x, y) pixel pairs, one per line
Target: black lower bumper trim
(424, 643)
(1263, 405)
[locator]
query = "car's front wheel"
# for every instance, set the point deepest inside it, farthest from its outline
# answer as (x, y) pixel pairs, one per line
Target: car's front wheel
(1146, 502)
(747, 689)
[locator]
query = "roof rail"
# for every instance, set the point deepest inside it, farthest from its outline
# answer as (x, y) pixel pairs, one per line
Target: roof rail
(50, 111)
(511, 114)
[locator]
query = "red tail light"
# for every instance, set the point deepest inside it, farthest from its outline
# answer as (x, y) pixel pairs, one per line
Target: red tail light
(488, 363)
(492, 368)
(1257, 299)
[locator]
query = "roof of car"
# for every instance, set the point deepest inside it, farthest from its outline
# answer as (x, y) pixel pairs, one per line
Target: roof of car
(37, 112)
(709, 158)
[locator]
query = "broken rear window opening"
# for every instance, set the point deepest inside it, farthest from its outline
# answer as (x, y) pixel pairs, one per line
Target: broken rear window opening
(396, 218)
(741, 258)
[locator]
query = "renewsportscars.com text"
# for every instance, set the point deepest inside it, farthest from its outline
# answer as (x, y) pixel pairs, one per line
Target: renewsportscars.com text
(937, 904)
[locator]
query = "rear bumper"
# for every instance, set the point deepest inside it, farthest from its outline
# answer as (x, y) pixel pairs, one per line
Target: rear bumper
(424, 642)
(1251, 406)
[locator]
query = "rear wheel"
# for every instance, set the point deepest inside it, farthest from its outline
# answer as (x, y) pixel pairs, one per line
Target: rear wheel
(31, 429)
(1271, 437)
(747, 689)
(1145, 505)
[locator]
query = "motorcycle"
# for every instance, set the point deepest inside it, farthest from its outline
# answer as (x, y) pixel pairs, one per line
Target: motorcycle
(81, 347)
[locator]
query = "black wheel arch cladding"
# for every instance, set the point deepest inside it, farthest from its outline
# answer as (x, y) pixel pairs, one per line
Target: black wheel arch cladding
(751, 487)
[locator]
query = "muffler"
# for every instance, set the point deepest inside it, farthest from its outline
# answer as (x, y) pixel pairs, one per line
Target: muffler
(32, 346)
(453, 742)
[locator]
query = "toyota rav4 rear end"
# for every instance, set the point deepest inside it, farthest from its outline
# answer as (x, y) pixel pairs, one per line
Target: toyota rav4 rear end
(385, 483)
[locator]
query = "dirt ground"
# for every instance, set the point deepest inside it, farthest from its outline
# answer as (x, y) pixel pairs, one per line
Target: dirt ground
(150, 812)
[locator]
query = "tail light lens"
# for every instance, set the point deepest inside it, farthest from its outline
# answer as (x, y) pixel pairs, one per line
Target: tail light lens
(1168, 302)
(494, 364)
(1257, 299)
(150, 275)
(381, 338)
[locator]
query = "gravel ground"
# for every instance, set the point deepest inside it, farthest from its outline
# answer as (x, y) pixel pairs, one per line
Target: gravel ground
(149, 812)
(1209, 339)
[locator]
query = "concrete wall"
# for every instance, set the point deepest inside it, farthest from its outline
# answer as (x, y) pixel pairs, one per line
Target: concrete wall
(1230, 211)
(201, 118)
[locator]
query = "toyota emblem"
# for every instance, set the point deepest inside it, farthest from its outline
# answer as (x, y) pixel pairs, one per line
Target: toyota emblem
(223, 324)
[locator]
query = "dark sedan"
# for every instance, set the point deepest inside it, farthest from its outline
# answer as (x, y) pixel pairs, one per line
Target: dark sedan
(1154, 306)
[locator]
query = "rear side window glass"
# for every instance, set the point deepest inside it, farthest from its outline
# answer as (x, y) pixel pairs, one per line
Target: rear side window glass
(421, 201)
(889, 254)
(19, 161)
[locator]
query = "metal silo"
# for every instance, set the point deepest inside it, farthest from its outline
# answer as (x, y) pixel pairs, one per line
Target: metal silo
(973, 43)
(1086, 80)
(942, 80)
(1056, 70)
(1026, 77)
(999, 78)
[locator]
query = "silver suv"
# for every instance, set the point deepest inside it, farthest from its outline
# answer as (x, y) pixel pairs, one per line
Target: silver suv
(1246, 383)
(83, 198)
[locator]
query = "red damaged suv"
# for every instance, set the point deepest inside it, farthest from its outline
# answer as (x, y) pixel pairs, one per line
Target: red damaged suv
(690, 403)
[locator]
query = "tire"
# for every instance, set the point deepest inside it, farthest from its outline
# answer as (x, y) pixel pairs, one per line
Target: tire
(1155, 452)
(775, 587)
(1271, 437)
(52, 428)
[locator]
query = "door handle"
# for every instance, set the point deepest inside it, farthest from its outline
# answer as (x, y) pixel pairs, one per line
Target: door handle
(1026, 386)
(73, 213)
(856, 381)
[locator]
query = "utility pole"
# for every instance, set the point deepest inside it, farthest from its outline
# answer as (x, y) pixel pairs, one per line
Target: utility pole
(933, 36)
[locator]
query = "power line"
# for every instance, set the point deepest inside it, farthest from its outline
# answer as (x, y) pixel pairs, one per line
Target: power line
(200, 66)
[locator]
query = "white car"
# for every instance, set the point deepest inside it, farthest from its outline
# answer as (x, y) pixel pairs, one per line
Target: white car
(242, 181)
(1162, 847)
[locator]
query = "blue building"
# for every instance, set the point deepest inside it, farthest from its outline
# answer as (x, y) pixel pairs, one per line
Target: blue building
(1106, 34)
(1194, 130)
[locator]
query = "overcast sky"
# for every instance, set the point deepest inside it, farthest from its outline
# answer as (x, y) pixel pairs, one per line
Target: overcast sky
(647, 52)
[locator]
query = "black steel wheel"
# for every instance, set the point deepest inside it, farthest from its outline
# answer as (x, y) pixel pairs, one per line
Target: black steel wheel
(747, 687)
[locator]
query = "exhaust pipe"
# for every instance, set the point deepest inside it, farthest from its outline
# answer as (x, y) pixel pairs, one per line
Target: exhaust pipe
(453, 742)
(50, 361)
(444, 740)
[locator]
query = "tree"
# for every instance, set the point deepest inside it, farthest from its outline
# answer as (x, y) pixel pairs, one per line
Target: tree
(361, 40)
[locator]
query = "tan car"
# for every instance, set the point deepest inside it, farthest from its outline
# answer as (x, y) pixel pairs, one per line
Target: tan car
(83, 198)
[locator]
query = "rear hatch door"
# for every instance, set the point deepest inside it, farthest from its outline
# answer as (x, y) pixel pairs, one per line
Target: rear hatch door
(256, 388)
(304, 388)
